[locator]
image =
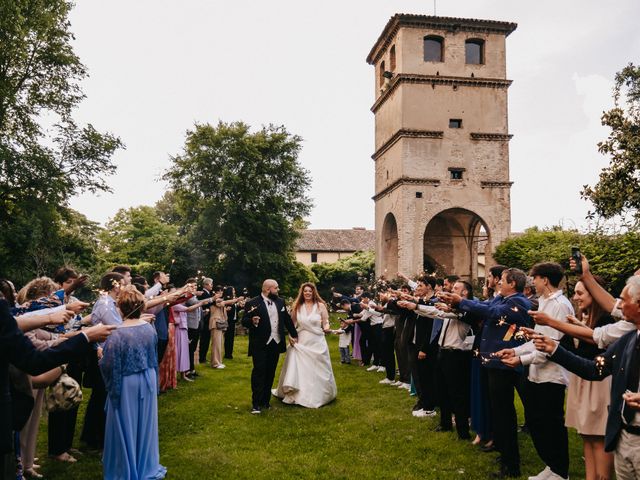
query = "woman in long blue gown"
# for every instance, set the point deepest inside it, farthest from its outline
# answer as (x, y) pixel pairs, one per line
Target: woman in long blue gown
(129, 367)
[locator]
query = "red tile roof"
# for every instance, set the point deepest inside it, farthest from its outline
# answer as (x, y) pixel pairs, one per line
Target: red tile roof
(329, 240)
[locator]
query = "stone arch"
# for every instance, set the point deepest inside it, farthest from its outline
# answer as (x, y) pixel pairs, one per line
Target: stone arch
(452, 239)
(389, 246)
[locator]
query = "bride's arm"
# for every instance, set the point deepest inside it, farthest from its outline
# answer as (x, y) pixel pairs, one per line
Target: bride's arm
(324, 318)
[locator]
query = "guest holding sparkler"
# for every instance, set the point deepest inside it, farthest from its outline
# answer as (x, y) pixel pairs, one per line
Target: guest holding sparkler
(504, 315)
(130, 370)
(621, 361)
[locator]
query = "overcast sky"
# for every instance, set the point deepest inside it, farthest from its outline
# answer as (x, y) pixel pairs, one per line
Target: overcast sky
(157, 67)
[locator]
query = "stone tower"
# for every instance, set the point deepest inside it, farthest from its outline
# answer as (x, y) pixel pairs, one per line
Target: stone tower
(441, 143)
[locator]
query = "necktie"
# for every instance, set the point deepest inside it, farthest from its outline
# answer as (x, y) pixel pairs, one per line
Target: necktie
(633, 379)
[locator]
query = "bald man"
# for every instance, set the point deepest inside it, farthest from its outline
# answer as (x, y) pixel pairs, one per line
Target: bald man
(266, 318)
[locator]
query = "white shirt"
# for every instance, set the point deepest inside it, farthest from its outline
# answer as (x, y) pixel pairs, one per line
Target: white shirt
(273, 318)
(541, 369)
(375, 317)
(389, 320)
(453, 334)
(344, 340)
(607, 334)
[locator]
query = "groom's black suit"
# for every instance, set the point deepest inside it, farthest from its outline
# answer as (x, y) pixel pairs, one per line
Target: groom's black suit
(265, 355)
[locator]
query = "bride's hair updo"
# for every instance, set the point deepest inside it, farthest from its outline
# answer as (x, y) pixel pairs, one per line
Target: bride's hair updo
(299, 301)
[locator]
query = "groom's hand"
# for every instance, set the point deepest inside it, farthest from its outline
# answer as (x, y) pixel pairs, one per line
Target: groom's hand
(293, 341)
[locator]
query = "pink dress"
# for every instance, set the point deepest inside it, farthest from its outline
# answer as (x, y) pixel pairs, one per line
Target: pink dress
(181, 338)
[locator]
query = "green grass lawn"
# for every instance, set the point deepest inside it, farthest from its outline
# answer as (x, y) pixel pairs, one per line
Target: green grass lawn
(207, 432)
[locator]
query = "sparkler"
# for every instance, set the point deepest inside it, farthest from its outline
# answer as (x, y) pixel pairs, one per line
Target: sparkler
(173, 260)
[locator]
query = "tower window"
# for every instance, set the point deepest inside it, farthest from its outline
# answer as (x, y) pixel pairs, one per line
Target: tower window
(382, 73)
(456, 173)
(418, 194)
(455, 123)
(433, 48)
(474, 51)
(314, 258)
(392, 58)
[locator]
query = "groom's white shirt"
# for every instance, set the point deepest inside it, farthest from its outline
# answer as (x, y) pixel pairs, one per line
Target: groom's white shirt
(273, 318)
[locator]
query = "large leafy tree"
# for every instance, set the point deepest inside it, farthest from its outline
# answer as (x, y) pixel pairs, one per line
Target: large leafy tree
(45, 156)
(238, 194)
(139, 238)
(618, 189)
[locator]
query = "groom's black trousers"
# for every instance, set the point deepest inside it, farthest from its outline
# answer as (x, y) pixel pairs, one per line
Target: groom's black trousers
(265, 362)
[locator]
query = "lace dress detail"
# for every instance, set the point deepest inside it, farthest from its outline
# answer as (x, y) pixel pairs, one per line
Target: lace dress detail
(128, 350)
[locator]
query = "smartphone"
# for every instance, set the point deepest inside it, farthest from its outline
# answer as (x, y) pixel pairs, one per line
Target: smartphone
(577, 257)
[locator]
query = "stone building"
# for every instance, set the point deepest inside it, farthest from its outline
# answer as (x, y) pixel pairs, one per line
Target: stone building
(441, 143)
(330, 245)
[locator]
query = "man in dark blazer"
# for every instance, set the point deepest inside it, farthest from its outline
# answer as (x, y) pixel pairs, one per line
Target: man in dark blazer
(16, 349)
(622, 362)
(266, 318)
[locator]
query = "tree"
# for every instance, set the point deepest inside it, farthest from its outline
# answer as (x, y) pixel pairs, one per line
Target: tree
(45, 157)
(346, 273)
(238, 194)
(614, 257)
(42, 237)
(618, 189)
(138, 238)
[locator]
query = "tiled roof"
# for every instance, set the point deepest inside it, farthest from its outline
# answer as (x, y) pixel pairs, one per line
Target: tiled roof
(327, 240)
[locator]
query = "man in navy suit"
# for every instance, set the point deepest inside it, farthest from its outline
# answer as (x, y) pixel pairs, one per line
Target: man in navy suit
(266, 318)
(622, 362)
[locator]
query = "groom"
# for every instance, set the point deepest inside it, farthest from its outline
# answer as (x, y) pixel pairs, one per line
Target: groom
(266, 317)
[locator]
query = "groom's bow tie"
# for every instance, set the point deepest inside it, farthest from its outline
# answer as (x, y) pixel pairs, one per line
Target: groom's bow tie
(269, 302)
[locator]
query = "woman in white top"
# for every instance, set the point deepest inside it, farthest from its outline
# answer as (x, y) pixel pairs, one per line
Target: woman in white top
(307, 378)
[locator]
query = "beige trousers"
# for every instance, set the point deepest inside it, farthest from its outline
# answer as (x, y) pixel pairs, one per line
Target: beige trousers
(216, 347)
(627, 456)
(29, 433)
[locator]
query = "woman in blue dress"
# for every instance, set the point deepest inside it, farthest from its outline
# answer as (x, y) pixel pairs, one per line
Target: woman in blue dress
(129, 366)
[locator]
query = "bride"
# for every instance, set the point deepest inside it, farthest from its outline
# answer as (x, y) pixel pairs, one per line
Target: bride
(307, 377)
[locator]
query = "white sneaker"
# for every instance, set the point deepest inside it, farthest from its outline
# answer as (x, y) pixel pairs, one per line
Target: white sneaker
(372, 368)
(397, 383)
(221, 366)
(543, 475)
(386, 381)
(555, 476)
(424, 413)
(381, 369)
(406, 386)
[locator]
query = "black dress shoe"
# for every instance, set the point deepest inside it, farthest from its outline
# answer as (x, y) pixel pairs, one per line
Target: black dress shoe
(416, 407)
(487, 449)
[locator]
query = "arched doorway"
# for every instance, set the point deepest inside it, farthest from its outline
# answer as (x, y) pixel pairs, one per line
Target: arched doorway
(389, 246)
(451, 242)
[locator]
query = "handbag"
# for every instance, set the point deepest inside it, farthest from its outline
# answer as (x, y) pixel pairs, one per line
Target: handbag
(64, 394)
(222, 324)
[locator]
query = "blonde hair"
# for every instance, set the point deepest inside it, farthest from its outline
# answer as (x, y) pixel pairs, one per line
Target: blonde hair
(130, 302)
(36, 288)
(299, 301)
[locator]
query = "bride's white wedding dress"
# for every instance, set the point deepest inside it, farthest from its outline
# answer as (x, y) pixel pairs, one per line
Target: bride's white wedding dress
(307, 377)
